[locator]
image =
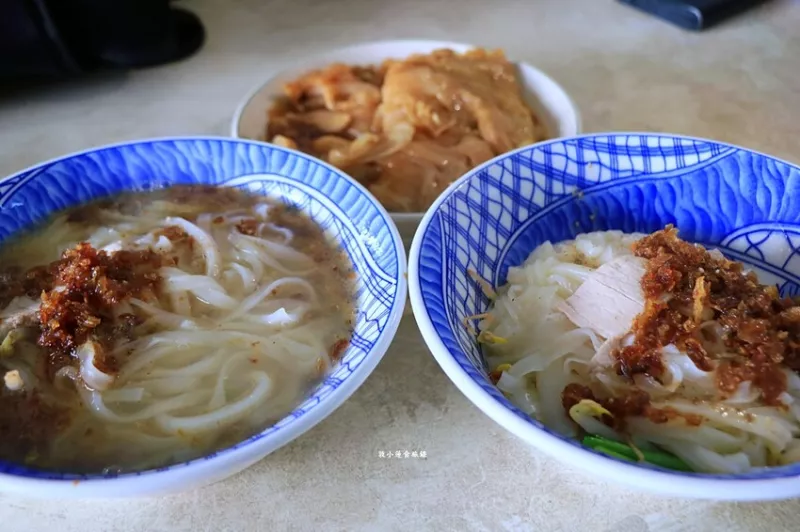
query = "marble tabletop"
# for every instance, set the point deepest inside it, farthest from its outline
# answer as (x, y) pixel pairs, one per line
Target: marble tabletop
(738, 83)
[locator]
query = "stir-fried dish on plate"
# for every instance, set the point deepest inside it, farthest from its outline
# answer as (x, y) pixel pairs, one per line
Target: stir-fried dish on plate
(408, 128)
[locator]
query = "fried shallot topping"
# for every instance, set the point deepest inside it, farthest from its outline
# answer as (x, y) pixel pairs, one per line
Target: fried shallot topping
(87, 284)
(685, 287)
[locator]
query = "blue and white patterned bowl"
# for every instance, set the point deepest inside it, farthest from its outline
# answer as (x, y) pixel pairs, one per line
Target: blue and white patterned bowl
(744, 203)
(342, 206)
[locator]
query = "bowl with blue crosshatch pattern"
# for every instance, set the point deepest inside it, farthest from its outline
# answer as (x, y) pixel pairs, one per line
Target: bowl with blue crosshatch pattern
(348, 213)
(743, 203)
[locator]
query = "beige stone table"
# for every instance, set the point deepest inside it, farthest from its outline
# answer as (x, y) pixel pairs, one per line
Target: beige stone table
(738, 83)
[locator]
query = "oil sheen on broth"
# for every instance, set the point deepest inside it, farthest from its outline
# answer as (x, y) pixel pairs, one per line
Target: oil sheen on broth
(156, 327)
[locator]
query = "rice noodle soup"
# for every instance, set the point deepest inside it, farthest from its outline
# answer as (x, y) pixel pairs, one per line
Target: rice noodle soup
(650, 349)
(155, 327)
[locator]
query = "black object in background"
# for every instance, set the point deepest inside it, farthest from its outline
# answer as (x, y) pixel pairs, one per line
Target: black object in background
(694, 14)
(60, 38)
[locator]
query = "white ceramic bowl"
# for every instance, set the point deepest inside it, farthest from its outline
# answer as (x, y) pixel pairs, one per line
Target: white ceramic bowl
(347, 212)
(544, 95)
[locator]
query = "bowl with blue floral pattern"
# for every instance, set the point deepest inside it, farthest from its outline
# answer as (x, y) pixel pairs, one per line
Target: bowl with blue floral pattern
(348, 217)
(474, 253)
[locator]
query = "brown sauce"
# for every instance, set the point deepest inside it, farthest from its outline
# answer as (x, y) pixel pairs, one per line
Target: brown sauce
(636, 403)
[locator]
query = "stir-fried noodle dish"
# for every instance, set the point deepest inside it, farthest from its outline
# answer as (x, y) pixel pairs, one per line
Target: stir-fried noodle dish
(650, 349)
(156, 327)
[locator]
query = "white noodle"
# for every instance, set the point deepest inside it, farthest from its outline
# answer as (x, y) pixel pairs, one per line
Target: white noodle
(300, 286)
(93, 377)
(736, 434)
(226, 346)
(222, 416)
(208, 245)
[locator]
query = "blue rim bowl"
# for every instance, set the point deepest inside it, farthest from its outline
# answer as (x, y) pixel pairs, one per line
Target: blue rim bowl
(347, 212)
(744, 203)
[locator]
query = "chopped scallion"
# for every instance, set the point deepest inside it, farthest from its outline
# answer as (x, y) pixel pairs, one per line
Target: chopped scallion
(625, 452)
